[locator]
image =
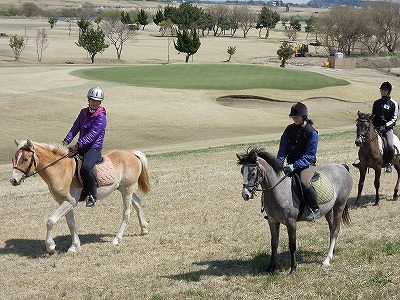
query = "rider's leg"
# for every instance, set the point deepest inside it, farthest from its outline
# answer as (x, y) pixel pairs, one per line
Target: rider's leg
(309, 193)
(89, 161)
(390, 150)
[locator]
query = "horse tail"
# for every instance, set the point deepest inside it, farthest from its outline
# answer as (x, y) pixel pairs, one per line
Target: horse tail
(144, 179)
(346, 216)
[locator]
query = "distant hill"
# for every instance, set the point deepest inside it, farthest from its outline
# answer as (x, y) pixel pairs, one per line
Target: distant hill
(330, 3)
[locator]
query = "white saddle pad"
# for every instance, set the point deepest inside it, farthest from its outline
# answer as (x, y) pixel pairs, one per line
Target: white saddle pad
(396, 144)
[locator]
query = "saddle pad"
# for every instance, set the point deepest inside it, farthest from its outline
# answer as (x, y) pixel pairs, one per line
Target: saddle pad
(105, 172)
(323, 188)
(396, 144)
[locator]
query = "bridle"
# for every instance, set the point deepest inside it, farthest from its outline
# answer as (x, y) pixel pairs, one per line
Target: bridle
(32, 162)
(363, 137)
(253, 188)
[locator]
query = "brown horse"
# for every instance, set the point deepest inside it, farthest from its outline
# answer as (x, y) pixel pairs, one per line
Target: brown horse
(53, 166)
(370, 156)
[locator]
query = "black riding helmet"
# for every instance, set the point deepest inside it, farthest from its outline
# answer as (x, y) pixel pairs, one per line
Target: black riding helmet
(298, 110)
(386, 86)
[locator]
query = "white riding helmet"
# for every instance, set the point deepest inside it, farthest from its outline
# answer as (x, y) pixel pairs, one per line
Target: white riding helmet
(95, 93)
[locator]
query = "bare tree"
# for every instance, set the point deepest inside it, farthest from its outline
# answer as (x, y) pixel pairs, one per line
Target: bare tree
(386, 17)
(69, 21)
(247, 20)
(118, 34)
(41, 43)
(340, 29)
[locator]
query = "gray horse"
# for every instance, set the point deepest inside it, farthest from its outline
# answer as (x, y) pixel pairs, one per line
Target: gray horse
(262, 168)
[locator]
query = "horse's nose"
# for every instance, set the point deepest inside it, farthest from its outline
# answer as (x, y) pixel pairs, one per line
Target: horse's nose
(357, 142)
(245, 194)
(13, 181)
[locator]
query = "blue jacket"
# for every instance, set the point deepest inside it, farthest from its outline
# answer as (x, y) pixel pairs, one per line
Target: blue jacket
(91, 128)
(300, 149)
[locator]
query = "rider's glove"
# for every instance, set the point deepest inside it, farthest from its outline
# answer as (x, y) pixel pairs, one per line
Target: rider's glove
(73, 150)
(65, 142)
(382, 128)
(288, 169)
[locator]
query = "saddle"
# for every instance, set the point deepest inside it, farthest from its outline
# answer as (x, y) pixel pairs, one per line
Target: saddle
(322, 185)
(382, 141)
(105, 172)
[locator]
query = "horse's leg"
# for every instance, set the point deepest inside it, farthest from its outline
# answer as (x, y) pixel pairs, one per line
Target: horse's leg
(76, 243)
(291, 227)
(333, 220)
(61, 211)
(126, 197)
(377, 184)
(274, 229)
(396, 188)
(363, 172)
(142, 220)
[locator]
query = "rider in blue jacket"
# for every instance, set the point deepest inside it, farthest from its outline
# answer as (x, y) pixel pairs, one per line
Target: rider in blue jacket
(91, 125)
(298, 145)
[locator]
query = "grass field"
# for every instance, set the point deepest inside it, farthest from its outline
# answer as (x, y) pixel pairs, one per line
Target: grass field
(215, 77)
(205, 242)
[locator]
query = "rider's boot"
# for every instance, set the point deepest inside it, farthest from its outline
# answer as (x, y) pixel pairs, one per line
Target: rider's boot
(92, 187)
(389, 157)
(312, 202)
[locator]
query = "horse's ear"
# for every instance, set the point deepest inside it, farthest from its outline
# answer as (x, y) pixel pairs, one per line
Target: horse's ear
(369, 116)
(238, 156)
(16, 142)
(359, 113)
(29, 143)
(254, 155)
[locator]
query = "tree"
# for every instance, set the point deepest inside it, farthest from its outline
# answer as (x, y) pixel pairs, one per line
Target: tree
(285, 52)
(231, 50)
(143, 18)
(83, 25)
(52, 21)
(93, 41)
(159, 17)
(267, 19)
(188, 42)
(118, 33)
(41, 43)
(17, 44)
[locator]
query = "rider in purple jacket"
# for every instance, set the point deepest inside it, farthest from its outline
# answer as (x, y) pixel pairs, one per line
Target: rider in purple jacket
(91, 125)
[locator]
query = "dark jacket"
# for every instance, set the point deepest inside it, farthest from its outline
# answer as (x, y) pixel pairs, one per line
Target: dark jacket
(91, 128)
(385, 112)
(299, 145)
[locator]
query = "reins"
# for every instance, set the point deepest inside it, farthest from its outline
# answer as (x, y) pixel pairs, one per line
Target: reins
(33, 162)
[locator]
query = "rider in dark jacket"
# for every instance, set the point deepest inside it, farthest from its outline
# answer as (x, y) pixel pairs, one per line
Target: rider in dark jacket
(298, 145)
(91, 125)
(384, 116)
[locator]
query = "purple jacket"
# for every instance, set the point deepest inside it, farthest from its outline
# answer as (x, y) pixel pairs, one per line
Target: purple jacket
(91, 129)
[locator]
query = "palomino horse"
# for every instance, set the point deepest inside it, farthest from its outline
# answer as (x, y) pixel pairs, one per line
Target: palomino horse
(370, 156)
(48, 161)
(260, 167)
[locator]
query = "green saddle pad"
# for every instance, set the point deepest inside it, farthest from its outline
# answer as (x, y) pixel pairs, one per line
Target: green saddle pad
(323, 188)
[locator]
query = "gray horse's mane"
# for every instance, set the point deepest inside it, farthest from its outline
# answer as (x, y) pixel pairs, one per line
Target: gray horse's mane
(250, 157)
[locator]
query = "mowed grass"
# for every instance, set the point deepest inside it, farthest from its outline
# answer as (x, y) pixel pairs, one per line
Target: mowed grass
(212, 76)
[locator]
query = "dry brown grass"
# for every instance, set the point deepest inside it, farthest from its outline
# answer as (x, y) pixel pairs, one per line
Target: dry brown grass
(205, 242)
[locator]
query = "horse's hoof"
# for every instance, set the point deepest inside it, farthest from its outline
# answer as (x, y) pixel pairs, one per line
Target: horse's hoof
(115, 241)
(51, 249)
(144, 231)
(73, 249)
(326, 263)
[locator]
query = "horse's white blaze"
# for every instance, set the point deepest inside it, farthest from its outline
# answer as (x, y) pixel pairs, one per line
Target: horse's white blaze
(245, 192)
(16, 176)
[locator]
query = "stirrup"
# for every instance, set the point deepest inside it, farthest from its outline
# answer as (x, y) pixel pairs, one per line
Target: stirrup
(314, 215)
(90, 201)
(388, 168)
(356, 164)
